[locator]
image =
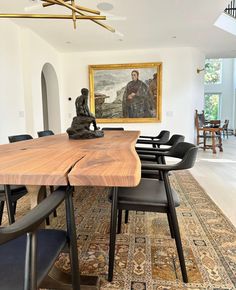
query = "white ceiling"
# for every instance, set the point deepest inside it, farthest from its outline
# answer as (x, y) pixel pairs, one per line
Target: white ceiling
(149, 24)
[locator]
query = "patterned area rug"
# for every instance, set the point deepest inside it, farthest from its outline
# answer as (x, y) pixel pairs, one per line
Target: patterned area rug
(146, 256)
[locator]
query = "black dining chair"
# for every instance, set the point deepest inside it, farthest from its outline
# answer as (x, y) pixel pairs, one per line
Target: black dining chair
(113, 129)
(28, 254)
(156, 141)
(156, 155)
(15, 192)
(159, 136)
(175, 139)
(51, 188)
(17, 138)
(153, 195)
(45, 133)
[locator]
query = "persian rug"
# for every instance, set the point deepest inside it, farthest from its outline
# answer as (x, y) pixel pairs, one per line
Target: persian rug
(146, 257)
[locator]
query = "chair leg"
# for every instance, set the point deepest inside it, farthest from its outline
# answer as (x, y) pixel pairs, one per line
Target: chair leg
(112, 234)
(47, 221)
(119, 221)
(71, 229)
(126, 216)
(1, 211)
(179, 246)
(30, 281)
(175, 225)
(51, 191)
(160, 172)
(14, 207)
(170, 226)
(10, 209)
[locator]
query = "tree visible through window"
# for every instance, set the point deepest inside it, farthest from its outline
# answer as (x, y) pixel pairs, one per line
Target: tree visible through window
(211, 106)
(213, 71)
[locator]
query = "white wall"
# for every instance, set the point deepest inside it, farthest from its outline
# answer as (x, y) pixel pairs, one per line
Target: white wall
(182, 89)
(22, 57)
(38, 53)
(11, 82)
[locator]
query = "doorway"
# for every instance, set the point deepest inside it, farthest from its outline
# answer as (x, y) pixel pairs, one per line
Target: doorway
(50, 99)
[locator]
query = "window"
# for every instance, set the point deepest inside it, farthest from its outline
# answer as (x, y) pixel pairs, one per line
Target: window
(212, 106)
(213, 71)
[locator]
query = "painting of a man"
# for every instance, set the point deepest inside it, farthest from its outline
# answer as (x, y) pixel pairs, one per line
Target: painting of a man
(126, 92)
(137, 102)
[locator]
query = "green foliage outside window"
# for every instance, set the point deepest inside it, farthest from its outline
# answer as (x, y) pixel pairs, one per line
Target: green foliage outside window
(213, 69)
(211, 106)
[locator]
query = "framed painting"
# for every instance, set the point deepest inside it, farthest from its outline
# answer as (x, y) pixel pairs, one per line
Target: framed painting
(126, 93)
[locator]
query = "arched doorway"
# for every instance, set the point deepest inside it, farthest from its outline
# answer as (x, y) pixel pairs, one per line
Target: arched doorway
(50, 99)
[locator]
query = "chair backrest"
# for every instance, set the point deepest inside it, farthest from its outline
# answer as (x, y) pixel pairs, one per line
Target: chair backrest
(45, 133)
(185, 151)
(226, 124)
(163, 136)
(199, 119)
(113, 128)
(215, 123)
(163, 133)
(175, 139)
(17, 138)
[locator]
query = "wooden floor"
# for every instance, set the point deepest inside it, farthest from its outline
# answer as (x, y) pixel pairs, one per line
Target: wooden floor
(216, 173)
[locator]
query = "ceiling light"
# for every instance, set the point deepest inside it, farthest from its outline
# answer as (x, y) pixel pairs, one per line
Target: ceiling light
(105, 6)
(77, 12)
(114, 17)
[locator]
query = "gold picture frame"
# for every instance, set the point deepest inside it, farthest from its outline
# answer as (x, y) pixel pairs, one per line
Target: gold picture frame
(126, 93)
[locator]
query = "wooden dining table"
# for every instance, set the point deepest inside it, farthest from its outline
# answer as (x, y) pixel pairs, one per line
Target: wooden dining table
(56, 160)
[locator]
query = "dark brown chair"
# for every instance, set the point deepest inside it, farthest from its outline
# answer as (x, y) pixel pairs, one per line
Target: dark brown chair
(225, 129)
(200, 122)
(28, 254)
(153, 195)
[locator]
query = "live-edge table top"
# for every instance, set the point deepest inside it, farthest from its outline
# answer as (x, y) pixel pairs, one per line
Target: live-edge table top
(57, 160)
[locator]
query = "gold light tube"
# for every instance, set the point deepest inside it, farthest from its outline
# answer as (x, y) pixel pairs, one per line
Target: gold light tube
(72, 8)
(85, 9)
(73, 13)
(53, 16)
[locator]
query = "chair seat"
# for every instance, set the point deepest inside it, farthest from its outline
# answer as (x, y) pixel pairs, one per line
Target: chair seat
(151, 158)
(12, 262)
(150, 193)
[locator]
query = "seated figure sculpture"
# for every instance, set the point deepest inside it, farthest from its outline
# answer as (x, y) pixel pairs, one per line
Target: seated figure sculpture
(80, 127)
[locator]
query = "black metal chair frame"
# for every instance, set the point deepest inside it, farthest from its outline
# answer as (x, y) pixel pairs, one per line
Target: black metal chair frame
(28, 226)
(187, 152)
